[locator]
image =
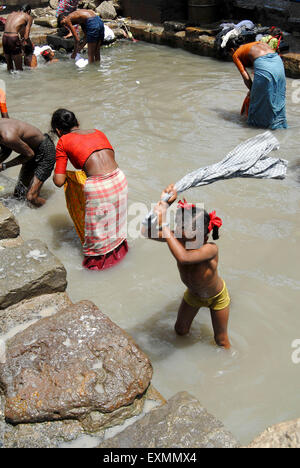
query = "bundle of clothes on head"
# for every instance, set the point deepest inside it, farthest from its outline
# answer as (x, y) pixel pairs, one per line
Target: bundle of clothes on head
(246, 31)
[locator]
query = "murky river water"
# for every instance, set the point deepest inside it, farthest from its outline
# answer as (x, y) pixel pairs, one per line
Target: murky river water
(168, 112)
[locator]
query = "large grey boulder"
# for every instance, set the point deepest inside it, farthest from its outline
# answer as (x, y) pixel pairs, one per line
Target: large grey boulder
(9, 227)
(28, 271)
(182, 423)
(87, 432)
(71, 364)
(283, 435)
(107, 10)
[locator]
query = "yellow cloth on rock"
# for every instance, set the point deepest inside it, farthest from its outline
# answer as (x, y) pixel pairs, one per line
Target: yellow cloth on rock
(75, 200)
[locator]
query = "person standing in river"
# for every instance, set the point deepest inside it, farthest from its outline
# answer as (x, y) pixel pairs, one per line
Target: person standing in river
(105, 189)
(16, 39)
(92, 27)
(267, 91)
(197, 263)
(36, 155)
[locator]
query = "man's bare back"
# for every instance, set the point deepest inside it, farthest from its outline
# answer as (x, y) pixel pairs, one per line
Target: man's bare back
(80, 16)
(20, 136)
(17, 22)
(258, 50)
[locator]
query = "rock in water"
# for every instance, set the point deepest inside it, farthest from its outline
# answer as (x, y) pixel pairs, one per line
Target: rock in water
(9, 227)
(28, 271)
(71, 364)
(182, 423)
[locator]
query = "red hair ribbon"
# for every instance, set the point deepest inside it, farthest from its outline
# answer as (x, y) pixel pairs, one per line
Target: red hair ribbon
(214, 221)
(185, 205)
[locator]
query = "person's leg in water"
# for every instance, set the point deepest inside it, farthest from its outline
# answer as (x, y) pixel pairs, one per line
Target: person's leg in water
(185, 317)
(219, 320)
(29, 185)
(92, 51)
(97, 51)
(9, 62)
(18, 61)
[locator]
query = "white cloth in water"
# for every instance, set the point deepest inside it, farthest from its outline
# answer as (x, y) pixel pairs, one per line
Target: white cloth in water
(109, 35)
(248, 159)
(80, 61)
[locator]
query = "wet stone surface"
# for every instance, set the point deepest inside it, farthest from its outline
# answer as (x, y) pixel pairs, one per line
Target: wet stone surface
(17, 317)
(28, 271)
(69, 365)
(182, 423)
(9, 227)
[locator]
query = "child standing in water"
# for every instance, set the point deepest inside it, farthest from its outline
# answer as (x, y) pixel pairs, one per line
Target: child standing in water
(197, 265)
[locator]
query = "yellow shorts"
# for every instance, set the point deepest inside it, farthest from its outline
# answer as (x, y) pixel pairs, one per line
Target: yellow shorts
(218, 302)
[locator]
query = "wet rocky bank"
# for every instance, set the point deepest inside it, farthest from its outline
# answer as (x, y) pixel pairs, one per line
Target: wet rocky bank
(70, 377)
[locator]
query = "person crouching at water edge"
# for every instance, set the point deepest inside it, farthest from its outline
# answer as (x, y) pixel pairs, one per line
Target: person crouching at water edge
(267, 92)
(36, 155)
(92, 27)
(197, 262)
(105, 189)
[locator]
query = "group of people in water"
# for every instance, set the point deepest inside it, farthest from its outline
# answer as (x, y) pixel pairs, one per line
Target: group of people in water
(19, 50)
(103, 188)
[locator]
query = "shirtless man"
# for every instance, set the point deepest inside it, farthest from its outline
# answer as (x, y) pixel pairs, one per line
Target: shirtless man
(36, 154)
(16, 38)
(93, 28)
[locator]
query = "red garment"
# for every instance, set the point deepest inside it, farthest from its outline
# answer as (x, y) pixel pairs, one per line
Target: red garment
(102, 262)
(78, 147)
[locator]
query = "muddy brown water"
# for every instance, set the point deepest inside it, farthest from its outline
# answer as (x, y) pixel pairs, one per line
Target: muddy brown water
(168, 112)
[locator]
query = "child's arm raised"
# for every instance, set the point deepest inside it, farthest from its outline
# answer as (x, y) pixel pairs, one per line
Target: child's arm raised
(185, 257)
(153, 232)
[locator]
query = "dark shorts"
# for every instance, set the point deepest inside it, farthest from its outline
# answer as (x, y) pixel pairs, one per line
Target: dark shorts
(94, 29)
(11, 44)
(40, 166)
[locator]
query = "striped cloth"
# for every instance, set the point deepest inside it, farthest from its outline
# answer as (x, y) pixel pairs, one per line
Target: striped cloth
(248, 159)
(105, 213)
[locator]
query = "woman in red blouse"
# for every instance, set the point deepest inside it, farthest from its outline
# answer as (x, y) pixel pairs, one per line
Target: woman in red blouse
(105, 189)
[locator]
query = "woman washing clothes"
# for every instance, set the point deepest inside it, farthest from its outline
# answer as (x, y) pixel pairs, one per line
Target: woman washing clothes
(105, 189)
(267, 91)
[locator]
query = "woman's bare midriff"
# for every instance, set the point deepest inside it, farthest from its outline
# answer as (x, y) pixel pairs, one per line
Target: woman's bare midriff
(100, 163)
